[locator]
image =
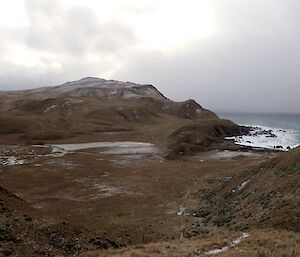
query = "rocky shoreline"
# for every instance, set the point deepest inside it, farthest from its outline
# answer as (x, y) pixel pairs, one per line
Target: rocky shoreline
(264, 139)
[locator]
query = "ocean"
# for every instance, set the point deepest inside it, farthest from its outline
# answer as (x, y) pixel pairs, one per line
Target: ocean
(286, 127)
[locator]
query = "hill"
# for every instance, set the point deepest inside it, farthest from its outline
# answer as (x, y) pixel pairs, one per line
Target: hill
(264, 196)
(96, 106)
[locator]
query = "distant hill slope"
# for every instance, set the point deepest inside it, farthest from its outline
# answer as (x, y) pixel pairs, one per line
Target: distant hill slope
(88, 92)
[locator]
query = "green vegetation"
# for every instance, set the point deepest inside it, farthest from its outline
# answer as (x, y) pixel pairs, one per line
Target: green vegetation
(266, 197)
(5, 235)
(263, 218)
(289, 169)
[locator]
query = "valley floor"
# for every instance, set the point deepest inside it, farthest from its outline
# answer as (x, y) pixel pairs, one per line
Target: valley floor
(138, 199)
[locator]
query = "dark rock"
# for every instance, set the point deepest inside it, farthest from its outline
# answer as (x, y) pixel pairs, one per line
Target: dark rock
(278, 147)
(6, 252)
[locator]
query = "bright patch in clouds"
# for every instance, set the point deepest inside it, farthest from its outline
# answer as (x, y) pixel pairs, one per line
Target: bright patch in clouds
(12, 13)
(161, 24)
(157, 24)
(173, 24)
(20, 55)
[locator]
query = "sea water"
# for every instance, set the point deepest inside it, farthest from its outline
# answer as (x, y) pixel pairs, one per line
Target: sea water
(286, 127)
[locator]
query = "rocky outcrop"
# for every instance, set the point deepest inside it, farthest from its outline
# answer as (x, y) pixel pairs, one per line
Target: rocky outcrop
(208, 134)
(188, 110)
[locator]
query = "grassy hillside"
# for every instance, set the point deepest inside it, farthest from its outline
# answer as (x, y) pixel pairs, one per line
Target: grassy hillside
(25, 231)
(264, 196)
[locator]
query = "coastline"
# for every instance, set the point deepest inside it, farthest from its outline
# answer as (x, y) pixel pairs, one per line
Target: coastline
(258, 137)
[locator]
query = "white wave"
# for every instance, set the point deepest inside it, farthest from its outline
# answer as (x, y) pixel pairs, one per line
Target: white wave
(277, 139)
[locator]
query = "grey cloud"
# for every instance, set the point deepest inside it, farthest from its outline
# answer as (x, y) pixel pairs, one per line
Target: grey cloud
(254, 68)
(231, 79)
(252, 64)
(76, 31)
(64, 36)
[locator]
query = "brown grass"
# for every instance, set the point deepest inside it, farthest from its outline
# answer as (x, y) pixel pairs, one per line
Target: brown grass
(266, 243)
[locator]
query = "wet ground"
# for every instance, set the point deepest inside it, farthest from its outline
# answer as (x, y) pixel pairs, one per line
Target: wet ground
(227, 155)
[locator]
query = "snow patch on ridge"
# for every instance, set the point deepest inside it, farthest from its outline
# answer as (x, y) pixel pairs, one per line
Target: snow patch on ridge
(101, 88)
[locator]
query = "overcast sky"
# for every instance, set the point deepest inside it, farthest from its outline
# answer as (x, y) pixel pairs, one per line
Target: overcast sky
(233, 55)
